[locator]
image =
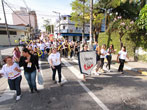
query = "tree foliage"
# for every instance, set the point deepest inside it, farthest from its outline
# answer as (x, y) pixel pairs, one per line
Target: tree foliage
(142, 21)
(48, 27)
(80, 12)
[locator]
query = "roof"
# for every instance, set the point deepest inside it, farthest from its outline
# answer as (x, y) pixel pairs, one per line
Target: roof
(17, 27)
(74, 34)
(65, 15)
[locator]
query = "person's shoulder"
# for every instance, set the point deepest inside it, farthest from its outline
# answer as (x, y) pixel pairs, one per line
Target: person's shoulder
(15, 64)
(4, 65)
(120, 52)
(51, 55)
(58, 52)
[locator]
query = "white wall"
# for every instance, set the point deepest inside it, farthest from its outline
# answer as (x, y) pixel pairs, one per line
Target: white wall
(4, 38)
(69, 27)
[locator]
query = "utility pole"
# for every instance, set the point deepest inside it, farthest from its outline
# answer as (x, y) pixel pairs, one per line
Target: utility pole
(30, 24)
(6, 23)
(91, 23)
(83, 30)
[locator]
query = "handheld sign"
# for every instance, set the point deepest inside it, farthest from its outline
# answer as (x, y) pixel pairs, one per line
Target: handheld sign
(87, 61)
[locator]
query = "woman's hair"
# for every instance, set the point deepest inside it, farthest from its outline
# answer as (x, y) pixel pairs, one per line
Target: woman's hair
(124, 48)
(98, 49)
(5, 59)
(26, 50)
(104, 46)
(112, 46)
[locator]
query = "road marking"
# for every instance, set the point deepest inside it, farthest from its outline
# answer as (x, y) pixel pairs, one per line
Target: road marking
(9, 94)
(76, 73)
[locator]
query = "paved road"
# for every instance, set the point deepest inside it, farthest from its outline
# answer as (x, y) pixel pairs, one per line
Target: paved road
(109, 91)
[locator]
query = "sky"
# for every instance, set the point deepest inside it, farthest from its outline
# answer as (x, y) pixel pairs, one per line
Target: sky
(43, 8)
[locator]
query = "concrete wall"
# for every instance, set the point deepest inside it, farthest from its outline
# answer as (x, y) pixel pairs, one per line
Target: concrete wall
(4, 38)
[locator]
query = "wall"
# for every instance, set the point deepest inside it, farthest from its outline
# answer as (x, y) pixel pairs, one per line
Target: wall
(4, 38)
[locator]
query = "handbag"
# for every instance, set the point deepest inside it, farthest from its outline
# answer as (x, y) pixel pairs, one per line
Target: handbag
(40, 78)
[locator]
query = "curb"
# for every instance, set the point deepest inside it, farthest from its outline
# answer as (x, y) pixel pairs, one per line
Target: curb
(143, 72)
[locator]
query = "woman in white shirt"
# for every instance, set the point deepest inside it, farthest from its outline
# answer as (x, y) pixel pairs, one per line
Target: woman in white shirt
(55, 63)
(122, 55)
(102, 56)
(12, 72)
(42, 47)
(48, 46)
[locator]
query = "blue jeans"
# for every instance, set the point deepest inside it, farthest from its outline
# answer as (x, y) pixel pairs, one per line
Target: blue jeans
(42, 56)
(31, 79)
(14, 84)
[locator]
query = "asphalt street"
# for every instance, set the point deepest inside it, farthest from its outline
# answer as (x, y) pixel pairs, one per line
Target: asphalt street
(108, 91)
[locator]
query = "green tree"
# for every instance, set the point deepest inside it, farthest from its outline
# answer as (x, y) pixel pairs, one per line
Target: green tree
(48, 27)
(80, 14)
(142, 21)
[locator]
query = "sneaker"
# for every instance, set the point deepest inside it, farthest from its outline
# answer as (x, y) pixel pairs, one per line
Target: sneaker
(54, 82)
(109, 70)
(60, 84)
(18, 98)
(102, 71)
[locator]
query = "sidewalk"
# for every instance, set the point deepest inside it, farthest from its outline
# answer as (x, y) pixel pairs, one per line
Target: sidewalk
(140, 67)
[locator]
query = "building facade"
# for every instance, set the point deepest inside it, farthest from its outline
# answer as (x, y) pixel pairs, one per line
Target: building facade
(26, 18)
(17, 33)
(66, 28)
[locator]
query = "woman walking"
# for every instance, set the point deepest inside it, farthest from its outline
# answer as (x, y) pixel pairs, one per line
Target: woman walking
(55, 63)
(122, 55)
(110, 50)
(30, 64)
(12, 72)
(16, 53)
(102, 56)
(71, 49)
(98, 52)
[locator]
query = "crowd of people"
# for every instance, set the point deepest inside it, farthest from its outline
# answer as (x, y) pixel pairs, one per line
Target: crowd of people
(28, 58)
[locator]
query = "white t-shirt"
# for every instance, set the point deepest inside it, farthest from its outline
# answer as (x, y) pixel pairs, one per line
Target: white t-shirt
(42, 46)
(55, 58)
(9, 71)
(122, 54)
(34, 46)
(48, 44)
(103, 52)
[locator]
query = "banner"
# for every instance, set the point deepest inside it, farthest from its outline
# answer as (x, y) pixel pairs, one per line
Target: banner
(87, 61)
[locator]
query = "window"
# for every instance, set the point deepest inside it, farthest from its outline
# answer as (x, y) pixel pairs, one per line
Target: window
(13, 33)
(5, 32)
(64, 18)
(63, 27)
(22, 35)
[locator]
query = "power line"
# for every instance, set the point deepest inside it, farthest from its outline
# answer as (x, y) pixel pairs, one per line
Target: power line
(15, 12)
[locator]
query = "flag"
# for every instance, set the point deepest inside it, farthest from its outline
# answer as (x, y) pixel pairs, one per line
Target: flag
(87, 61)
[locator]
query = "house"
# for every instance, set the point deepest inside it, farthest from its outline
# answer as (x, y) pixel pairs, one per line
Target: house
(68, 30)
(27, 18)
(17, 32)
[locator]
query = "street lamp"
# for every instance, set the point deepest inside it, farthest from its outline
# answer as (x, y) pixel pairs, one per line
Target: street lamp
(59, 21)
